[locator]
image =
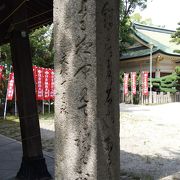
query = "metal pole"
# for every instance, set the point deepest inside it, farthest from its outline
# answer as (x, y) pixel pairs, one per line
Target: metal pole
(49, 106)
(132, 89)
(151, 46)
(43, 107)
(123, 94)
(15, 102)
(5, 107)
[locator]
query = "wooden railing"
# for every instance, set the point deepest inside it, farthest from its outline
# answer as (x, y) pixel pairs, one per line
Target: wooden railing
(157, 98)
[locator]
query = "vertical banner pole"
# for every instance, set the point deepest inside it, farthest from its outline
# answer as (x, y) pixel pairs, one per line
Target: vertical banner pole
(131, 87)
(49, 106)
(123, 93)
(5, 107)
(15, 103)
(43, 106)
(131, 96)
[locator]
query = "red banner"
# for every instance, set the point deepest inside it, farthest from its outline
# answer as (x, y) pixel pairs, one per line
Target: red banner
(44, 83)
(52, 84)
(126, 78)
(133, 82)
(145, 83)
(10, 89)
(47, 83)
(1, 70)
(40, 84)
(35, 73)
(35, 77)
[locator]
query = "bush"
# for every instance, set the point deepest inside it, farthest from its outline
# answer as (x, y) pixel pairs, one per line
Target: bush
(169, 83)
(136, 98)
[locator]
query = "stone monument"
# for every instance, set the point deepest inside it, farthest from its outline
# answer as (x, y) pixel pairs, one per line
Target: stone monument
(87, 92)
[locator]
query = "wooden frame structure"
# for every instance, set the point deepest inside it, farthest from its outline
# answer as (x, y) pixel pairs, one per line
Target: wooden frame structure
(17, 19)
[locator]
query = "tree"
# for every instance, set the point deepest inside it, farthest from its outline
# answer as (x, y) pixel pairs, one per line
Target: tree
(136, 17)
(42, 54)
(5, 54)
(169, 83)
(127, 7)
(41, 45)
(176, 38)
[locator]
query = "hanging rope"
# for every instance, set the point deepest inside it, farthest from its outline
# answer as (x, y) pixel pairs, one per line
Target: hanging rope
(35, 16)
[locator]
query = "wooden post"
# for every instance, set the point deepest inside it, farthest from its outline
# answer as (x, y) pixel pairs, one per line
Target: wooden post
(33, 164)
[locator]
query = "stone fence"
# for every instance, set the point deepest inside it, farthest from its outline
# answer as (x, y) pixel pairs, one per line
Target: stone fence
(157, 98)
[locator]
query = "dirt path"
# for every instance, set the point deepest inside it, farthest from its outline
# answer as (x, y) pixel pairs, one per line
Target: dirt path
(150, 140)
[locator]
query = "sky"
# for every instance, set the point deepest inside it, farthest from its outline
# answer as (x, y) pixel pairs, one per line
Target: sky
(163, 12)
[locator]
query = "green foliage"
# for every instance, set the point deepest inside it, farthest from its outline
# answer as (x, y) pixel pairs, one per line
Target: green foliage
(169, 83)
(168, 90)
(156, 85)
(136, 98)
(156, 80)
(5, 54)
(176, 38)
(136, 17)
(127, 7)
(121, 75)
(177, 70)
(41, 47)
(40, 40)
(169, 79)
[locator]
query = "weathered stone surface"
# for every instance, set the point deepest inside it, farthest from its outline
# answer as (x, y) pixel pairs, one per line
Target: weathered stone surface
(86, 82)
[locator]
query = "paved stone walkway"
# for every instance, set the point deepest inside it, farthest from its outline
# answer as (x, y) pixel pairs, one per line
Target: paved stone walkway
(10, 158)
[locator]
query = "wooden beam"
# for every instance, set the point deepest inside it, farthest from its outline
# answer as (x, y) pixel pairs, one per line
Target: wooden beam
(33, 164)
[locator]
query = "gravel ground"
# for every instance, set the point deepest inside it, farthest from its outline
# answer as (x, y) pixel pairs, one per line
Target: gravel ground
(150, 140)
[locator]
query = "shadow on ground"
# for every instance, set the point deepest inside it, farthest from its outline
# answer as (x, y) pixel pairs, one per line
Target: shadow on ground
(10, 128)
(11, 150)
(147, 167)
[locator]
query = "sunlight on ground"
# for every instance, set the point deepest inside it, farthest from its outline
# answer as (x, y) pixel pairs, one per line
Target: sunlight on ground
(149, 139)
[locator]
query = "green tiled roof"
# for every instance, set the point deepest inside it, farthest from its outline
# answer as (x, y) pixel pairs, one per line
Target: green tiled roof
(160, 38)
(137, 53)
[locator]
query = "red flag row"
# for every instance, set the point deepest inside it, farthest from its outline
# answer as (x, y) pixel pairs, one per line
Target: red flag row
(133, 83)
(44, 83)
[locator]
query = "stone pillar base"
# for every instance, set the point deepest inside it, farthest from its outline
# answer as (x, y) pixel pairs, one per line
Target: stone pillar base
(33, 168)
